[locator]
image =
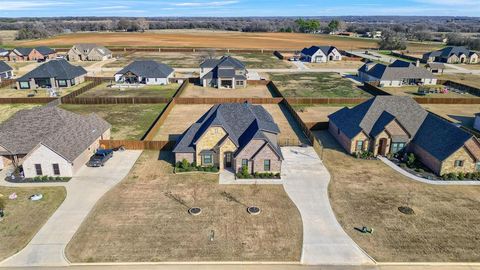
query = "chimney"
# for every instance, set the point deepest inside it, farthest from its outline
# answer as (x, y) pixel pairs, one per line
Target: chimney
(417, 64)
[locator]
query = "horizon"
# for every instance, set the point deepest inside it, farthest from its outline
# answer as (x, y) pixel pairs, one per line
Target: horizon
(237, 8)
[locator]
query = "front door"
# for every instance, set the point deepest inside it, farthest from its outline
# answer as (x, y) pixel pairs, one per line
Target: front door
(382, 147)
(228, 160)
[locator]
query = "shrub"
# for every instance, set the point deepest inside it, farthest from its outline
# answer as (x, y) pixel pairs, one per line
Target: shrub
(469, 175)
(3, 203)
(452, 176)
(461, 176)
(58, 178)
(37, 178)
(185, 164)
(277, 175)
(411, 160)
(44, 178)
(445, 177)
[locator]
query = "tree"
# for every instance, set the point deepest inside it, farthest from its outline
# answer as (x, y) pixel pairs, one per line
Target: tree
(308, 26)
(333, 26)
(392, 41)
(143, 24)
(123, 25)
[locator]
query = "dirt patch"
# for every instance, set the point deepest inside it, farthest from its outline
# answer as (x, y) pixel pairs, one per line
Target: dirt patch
(463, 114)
(251, 91)
(105, 90)
(337, 64)
(290, 132)
(145, 218)
(315, 113)
(368, 193)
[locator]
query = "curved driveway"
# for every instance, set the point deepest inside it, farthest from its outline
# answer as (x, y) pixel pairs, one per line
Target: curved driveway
(324, 240)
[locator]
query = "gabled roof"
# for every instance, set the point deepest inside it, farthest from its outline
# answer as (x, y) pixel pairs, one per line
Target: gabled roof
(439, 137)
(436, 65)
(314, 49)
(449, 51)
(66, 133)
(23, 51)
(242, 122)
(2, 50)
(45, 50)
(372, 115)
(88, 47)
(4, 67)
(147, 69)
(59, 69)
(224, 62)
(396, 71)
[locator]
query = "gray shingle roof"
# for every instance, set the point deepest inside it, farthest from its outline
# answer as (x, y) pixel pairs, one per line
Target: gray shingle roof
(23, 51)
(4, 67)
(45, 50)
(396, 71)
(224, 62)
(314, 49)
(147, 69)
(66, 133)
(89, 47)
(436, 65)
(59, 69)
(366, 115)
(241, 121)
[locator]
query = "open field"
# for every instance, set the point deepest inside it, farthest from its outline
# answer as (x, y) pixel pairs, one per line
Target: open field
(145, 218)
(104, 90)
(467, 79)
(23, 218)
(444, 227)
(412, 91)
(251, 91)
(463, 114)
(337, 64)
(10, 109)
(40, 92)
(8, 36)
(193, 59)
(326, 84)
(129, 122)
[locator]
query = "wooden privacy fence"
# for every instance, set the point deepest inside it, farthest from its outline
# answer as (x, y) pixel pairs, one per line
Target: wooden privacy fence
(7, 82)
(139, 145)
(196, 100)
(116, 100)
(155, 127)
(193, 49)
(74, 94)
(308, 101)
(33, 100)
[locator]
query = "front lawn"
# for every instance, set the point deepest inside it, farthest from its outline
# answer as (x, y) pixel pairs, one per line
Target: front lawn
(145, 218)
(23, 218)
(328, 85)
(104, 90)
(129, 122)
(443, 228)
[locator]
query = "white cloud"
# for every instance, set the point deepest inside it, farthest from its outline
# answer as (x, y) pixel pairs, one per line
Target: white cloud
(28, 5)
(205, 4)
(449, 2)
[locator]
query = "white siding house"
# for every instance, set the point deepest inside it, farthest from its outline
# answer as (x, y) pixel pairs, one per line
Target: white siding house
(320, 54)
(146, 72)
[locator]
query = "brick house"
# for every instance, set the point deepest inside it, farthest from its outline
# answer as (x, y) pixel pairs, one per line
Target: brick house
(320, 54)
(49, 141)
(452, 55)
(387, 125)
(31, 54)
(52, 74)
(6, 71)
(232, 136)
(226, 72)
(88, 52)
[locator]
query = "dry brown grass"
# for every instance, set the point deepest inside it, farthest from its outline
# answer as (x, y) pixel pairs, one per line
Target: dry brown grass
(459, 113)
(467, 79)
(412, 91)
(40, 92)
(105, 90)
(316, 113)
(206, 39)
(23, 218)
(251, 91)
(137, 221)
(444, 227)
(337, 64)
(289, 130)
(10, 109)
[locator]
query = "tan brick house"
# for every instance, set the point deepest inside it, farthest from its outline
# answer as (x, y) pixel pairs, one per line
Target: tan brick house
(452, 55)
(88, 52)
(31, 54)
(232, 136)
(386, 125)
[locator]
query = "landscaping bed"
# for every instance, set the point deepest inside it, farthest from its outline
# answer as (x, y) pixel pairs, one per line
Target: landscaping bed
(146, 218)
(316, 85)
(38, 179)
(185, 167)
(129, 122)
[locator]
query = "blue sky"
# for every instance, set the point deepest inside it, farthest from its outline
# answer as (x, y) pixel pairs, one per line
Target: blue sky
(229, 8)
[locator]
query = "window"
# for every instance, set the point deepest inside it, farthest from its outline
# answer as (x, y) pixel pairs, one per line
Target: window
(38, 169)
(359, 146)
(458, 163)
(240, 82)
(244, 163)
(266, 165)
(477, 167)
(72, 82)
(24, 85)
(56, 169)
(207, 159)
(62, 83)
(397, 146)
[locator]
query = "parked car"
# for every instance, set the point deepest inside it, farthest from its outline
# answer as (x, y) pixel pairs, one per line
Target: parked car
(100, 158)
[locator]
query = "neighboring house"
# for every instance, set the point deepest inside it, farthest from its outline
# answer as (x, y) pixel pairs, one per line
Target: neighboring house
(435, 67)
(386, 125)
(52, 74)
(6, 71)
(50, 141)
(476, 123)
(88, 52)
(396, 74)
(452, 55)
(226, 72)
(233, 136)
(374, 34)
(3, 54)
(31, 54)
(145, 72)
(320, 54)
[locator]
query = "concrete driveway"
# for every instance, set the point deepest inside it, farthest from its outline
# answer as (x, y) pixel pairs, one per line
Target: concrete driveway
(324, 240)
(83, 191)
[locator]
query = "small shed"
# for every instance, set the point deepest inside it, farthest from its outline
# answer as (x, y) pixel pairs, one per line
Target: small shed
(435, 67)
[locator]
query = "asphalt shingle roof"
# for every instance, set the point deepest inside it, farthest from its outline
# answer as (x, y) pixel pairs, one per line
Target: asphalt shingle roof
(23, 51)
(314, 49)
(45, 50)
(4, 67)
(147, 69)
(59, 69)
(396, 71)
(224, 62)
(66, 133)
(241, 121)
(88, 47)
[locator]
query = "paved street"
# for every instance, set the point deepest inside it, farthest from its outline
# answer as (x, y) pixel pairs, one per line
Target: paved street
(306, 182)
(83, 191)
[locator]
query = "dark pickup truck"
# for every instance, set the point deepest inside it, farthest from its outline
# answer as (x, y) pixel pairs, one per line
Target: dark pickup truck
(100, 157)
